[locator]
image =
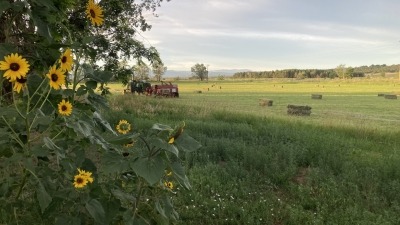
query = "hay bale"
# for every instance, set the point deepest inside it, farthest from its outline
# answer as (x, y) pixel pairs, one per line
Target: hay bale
(265, 102)
(381, 95)
(316, 96)
(299, 110)
(390, 96)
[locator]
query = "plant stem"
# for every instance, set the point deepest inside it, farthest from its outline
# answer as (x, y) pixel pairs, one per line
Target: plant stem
(137, 199)
(22, 184)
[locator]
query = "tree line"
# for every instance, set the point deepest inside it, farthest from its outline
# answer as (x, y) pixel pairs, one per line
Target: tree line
(340, 71)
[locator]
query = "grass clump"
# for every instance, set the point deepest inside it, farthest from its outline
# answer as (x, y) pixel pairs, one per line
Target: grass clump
(259, 170)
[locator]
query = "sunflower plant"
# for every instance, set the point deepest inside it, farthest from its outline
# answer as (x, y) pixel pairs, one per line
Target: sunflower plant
(61, 162)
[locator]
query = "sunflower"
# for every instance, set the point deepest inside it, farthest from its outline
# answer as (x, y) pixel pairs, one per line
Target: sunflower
(80, 181)
(169, 184)
(87, 174)
(123, 127)
(171, 140)
(19, 84)
(66, 60)
(15, 66)
(130, 144)
(168, 173)
(94, 13)
(64, 108)
(56, 76)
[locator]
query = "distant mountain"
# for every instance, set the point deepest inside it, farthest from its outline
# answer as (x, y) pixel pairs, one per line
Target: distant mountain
(212, 73)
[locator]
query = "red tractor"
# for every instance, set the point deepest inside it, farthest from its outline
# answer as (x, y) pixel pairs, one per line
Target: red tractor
(164, 89)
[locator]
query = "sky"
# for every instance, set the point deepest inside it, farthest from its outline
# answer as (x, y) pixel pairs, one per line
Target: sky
(264, 35)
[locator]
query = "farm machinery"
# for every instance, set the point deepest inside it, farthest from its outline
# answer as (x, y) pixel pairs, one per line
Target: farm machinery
(163, 90)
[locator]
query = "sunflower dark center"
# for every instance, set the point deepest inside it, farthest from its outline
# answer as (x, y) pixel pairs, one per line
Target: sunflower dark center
(79, 180)
(54, 77)
(92, 13)
(14, 66)
(21, 80)
(64, 59)
(64, 108)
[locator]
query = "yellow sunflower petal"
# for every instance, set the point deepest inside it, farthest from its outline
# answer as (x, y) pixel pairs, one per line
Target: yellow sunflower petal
(94, 13)
(65, 108)
(56, 77)
(15, 67)
(66, 60)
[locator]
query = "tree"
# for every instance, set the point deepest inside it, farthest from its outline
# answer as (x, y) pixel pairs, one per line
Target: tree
(141, 71)
(341, 71)
(199, 71)
(158, 70)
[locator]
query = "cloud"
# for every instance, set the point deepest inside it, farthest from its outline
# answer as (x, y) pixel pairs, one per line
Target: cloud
(274, 34)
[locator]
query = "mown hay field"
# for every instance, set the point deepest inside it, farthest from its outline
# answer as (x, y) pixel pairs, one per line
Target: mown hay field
(348, 103)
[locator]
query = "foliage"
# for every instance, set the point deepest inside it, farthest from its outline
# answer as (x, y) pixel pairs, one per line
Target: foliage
(200, 71)
(61, 162)
(254, 169)
(141, 71)
(158, 70)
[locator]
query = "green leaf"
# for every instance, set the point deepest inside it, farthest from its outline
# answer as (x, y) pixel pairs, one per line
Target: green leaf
(68, 92)
(129, 219)
(91, 84)
(164, 145)
(17, 6)
(179, 173)
(4, 6)
(98, 119)
(39, 151)
(68, 220)
(123, 139)
(96, 210)
(123, 196)
(81, 90)
(8, 112)
(41, 119)
(150, 169)
(97, 101)
(5, 49)
(161, 127)
(48, 3)
(187, 143)
(50, 144)
(113, 162)
(87, 130)
(43, 197)
(104, 76)
(42, 27)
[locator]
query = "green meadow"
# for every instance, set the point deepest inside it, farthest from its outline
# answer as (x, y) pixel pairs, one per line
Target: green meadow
(258, 165)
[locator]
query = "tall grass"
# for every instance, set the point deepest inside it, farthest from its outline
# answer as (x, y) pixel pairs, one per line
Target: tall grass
(271, 170)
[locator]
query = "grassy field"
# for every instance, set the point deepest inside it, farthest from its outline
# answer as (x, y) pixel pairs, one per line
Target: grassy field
(260, 166)
(350, 103)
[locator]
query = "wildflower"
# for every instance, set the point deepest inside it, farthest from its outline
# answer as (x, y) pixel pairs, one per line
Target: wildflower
(56, 76)
(123, 127)
(86, 174)
(15, 67)
(80, 181)
(169, 184)
(130, 144)
(66, 60)
(64, 108)
(174, 134)
(94, 13)
(168, 173)
(19, 84)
